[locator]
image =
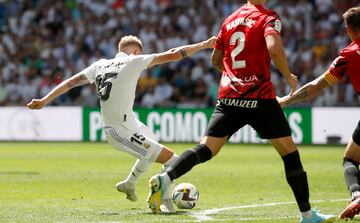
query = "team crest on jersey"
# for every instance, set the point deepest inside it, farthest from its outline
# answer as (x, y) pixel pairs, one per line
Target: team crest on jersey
(146, 145)
(277, 26)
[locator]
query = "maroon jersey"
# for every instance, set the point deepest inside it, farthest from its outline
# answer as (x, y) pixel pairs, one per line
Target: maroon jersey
(348, 63)
(246, 61)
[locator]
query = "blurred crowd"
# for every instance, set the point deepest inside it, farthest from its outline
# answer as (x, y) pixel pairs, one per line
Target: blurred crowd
(43, 42)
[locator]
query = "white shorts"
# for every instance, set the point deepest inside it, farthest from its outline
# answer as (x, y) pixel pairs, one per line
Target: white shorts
(135, 138)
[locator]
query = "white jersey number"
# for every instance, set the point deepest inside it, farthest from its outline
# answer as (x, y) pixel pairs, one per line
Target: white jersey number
(104, 85)
(240, 37)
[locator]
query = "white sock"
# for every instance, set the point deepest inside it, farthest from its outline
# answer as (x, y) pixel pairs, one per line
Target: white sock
(306, 214)
(355, 194)
(169, 186)
(170, 161)
(139, 168)
(168, 193)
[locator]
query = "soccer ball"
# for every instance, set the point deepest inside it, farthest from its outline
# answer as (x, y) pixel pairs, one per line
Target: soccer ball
(185, 196)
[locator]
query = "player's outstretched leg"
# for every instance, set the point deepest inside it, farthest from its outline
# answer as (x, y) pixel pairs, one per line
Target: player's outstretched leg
(316, 217)
(159, 193)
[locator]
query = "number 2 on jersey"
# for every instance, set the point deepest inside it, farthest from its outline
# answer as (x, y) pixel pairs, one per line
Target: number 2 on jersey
(240, 38)
(104, 85)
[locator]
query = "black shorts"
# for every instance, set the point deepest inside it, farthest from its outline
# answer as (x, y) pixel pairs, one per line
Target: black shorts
(265, 116)
(356, 134)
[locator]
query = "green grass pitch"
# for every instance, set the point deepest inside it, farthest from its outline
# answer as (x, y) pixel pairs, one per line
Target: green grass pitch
(74, 182)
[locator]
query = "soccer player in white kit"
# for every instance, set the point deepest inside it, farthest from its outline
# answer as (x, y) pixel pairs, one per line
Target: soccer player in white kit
(115, 80)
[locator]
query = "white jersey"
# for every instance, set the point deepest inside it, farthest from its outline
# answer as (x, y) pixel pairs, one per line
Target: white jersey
(116, 81)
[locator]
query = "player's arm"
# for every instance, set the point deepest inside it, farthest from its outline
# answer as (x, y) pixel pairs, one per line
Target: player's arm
(74, 81)
(278, 56)
(310, 89)
(178, 53)
(217, 57)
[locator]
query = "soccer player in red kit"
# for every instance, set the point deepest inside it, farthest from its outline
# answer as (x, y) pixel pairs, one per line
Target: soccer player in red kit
(246, 43)
(346, 64)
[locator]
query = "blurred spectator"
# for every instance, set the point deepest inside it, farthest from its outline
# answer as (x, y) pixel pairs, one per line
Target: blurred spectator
(149, 100)
(145, 82)
(3, 92)
(163, 91)
(200, 96)
(42, 42)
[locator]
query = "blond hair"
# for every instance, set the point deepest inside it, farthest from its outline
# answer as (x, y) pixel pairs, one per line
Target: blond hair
(352, 18)
(129, 41)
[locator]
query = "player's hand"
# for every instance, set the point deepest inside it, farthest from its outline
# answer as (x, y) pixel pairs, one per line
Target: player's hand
(211, 42)
(36, 104)
(293, 82)
(282, 100)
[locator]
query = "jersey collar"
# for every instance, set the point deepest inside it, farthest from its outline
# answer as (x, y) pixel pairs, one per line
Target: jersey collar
(121, 54)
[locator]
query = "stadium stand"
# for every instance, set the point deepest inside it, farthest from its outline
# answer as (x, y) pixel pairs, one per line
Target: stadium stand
(43, 42)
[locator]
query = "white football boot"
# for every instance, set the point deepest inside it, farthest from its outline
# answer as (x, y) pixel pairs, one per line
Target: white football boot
(125, 188)
(167, 205)
(160, 189)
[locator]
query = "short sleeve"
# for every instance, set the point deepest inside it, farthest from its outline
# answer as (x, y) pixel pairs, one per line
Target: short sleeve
(90, 72)
(219, 43)
(272, 26)
(141, 62)
(338, 67)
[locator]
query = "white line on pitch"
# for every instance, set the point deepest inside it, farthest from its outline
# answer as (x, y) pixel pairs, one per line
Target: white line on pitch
(203, 215)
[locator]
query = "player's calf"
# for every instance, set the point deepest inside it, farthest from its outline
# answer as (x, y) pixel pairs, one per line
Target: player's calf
(188, 159)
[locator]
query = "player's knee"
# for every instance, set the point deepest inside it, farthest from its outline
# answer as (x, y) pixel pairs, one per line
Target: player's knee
(203, 153)
(350, 162)
(293, 164)
(356, 135)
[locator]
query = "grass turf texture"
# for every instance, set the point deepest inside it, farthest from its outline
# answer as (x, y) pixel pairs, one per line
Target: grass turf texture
(74, 182)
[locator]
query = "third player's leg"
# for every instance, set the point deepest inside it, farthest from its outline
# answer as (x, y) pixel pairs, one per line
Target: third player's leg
(351, 168)
(351, 174)
(351, 164)
(352, 151)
